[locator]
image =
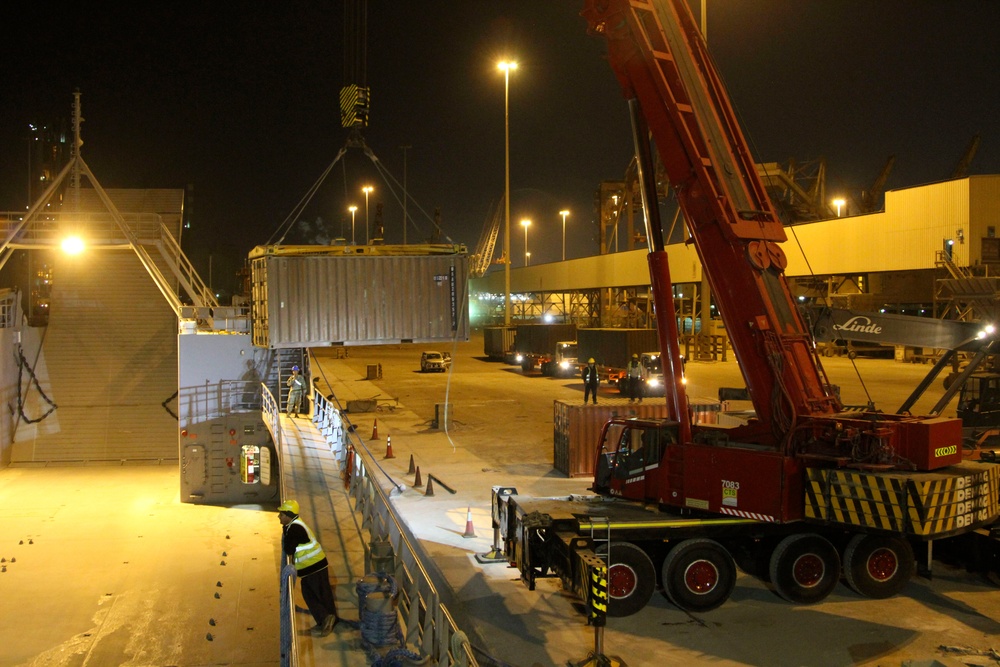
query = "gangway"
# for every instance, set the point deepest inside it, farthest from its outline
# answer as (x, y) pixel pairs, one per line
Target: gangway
(44, 229)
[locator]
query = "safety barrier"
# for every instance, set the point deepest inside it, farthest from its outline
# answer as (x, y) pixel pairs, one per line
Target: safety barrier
(201, 403)
(288, 642)
(8, 309)
(428, 625)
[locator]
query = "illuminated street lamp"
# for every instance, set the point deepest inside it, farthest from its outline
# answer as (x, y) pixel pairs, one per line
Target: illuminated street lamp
(564, 214)
(352, 209)
(367, 190)
(526, 223)
(72, 245)
(506, 67)
(839, 203)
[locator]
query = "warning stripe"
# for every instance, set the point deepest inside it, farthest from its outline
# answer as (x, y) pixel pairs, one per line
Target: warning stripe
(354, 106)
(747, 515)
(923, 504)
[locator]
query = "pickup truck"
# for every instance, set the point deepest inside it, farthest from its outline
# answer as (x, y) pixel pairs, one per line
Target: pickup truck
(434, 361)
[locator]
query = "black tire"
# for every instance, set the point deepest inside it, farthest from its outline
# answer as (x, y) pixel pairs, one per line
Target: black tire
(699, 575)
(805, 568)
(878, 566)
(631, 578)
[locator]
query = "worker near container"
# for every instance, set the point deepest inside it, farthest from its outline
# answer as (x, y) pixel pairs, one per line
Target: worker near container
(590, 381)
(296, 393)
(300, 544)
(635, 379)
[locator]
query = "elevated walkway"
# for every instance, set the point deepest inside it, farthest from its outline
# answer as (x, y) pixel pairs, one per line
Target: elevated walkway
(108, 567)
(311, 475)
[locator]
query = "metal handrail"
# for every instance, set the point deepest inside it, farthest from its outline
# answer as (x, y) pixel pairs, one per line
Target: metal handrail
(429, 624)
(271, 412)
(211, 401)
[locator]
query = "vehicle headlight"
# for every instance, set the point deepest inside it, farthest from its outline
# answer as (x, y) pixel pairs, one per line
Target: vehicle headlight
(653, 382)
(563, 364)
(519, 358)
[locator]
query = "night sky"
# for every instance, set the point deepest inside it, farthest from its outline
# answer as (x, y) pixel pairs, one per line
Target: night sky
(240, 102)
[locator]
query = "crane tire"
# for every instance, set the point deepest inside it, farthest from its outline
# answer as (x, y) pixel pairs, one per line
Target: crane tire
(805, 568)
(699, 575)
(878, 566)
(631, 578)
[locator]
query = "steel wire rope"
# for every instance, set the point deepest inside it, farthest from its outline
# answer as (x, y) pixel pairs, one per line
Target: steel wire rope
(391, 180)
(463, 299)
(287, 223)
(22, 364)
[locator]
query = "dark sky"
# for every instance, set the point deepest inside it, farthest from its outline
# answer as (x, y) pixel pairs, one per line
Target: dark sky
(240, 100)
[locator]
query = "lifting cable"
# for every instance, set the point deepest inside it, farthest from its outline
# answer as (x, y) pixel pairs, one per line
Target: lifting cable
(167, 407)
(22, 365)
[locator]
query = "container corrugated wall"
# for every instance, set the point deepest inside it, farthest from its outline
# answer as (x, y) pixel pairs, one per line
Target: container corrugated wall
(615, 347)
(498, 341)
(542, 338)
(321, 301)
(577, 428)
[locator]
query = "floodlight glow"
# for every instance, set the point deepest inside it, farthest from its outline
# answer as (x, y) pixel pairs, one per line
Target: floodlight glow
(72, 245)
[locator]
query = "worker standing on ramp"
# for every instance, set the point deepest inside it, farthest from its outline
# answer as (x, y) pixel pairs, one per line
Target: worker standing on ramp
(296, 393)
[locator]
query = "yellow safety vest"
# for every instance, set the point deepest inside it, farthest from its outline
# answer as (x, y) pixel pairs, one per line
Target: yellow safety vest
(309, 553)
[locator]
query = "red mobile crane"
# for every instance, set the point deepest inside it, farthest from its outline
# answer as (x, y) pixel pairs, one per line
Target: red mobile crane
(799, 494)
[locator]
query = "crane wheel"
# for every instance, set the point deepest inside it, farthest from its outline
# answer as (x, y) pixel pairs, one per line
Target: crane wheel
(878, 566)
(699, 575)
(805, 568)
(631, 578)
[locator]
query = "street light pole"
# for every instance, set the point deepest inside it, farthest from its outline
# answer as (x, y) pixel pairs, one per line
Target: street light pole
(839, 203)
(506, 66)
(405, 148)
(352, 209)
(564, 214)
(367, 190)
(526, 223)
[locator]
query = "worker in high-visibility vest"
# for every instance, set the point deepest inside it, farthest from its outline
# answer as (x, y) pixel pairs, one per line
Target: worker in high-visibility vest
(300, 544)
(635, 377)
(297, 400)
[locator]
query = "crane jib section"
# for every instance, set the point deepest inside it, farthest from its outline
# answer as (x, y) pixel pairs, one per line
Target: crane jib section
(660, 60)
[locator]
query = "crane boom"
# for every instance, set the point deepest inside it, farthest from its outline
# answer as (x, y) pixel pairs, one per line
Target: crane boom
(662, 62)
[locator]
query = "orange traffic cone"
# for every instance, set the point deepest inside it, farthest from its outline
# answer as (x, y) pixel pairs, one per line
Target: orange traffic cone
(411, 468)
(388, 448)
(417, 483)
(375, 430)
(430, 486)
(469, 530)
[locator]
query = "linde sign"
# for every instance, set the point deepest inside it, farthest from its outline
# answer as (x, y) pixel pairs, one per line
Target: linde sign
(859, 324)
